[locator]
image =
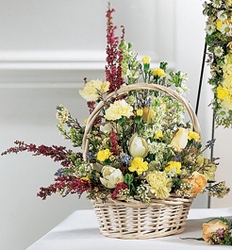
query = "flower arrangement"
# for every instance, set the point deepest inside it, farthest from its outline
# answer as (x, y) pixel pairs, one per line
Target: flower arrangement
(139, 145)
(218, 40)
(217, 231)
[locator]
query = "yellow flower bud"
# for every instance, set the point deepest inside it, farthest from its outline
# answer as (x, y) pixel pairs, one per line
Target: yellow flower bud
(158, 72)
(146, 60)
(139, 112)
(158, 135)
(148, 114)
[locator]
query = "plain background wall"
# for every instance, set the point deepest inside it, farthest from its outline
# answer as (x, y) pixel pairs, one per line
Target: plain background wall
(46, 49)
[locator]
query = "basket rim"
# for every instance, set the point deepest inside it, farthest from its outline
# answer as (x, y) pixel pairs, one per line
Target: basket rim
(139, 86)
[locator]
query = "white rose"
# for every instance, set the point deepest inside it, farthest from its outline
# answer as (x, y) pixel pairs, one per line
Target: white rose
(111, 176)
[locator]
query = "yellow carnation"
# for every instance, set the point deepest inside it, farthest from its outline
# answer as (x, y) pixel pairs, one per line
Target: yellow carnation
(103, 155)
(173, 168)
(92, 88)
(193, 136)
(118, 109)
(222, 92)
(160, 184)
(158, 72)
(228, 3)
(138, 165)
(227, 103)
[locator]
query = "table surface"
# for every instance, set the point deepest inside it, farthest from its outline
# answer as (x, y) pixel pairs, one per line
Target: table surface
(80, 231)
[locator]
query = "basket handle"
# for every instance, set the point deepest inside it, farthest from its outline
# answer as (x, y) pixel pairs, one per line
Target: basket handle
(138, 86)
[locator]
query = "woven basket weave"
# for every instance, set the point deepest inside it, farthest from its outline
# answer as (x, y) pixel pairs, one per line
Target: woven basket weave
(135, 219)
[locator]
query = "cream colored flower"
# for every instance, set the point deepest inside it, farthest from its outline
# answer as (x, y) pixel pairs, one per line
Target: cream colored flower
(118, 109)
(211, 227)
(91, 90)
(111, 176)
(160, 184)
(228, 3)
(180, 139)
(138, 146)
(106, 128)
(227, 103)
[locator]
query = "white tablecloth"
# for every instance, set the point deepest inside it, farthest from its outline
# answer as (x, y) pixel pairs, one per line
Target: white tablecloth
(79, 231)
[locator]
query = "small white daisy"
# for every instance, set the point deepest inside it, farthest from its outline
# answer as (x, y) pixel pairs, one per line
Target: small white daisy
(226, 29)
(218, 51)
(210, 28)
(221, 15)
(216, 3)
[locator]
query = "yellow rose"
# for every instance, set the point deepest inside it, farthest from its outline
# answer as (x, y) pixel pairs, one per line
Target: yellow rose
(138, 165)
(180, 139)
(148, 114)
(103, 155)
(146, 60)
(198, 181)
(211, 227)
(158, 72)
(111, 176)
(222, 92)
(138, 146)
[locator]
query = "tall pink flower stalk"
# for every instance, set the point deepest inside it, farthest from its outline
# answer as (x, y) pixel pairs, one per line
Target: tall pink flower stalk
(114, 55)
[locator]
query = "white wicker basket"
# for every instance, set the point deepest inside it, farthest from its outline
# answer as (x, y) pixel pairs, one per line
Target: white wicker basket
(135, 219)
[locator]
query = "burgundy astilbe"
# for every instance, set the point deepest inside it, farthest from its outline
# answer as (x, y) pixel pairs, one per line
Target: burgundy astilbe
(91, 106)
(120, 186)
(114, 142)
(57, 153)
(65, 185)
(114, 55)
